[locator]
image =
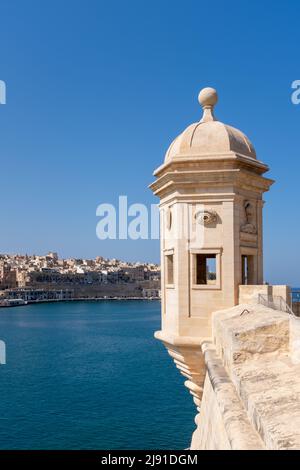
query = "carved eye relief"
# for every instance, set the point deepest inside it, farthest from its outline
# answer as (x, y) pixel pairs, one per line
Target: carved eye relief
(206, 217)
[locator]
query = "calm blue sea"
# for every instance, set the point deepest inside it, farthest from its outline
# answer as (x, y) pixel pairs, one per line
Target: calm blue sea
(89, 375)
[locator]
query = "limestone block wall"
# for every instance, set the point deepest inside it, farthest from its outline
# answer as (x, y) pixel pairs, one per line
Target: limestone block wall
(211, 432)
(223, 423)
(249, 293)
(295, 339)
(251, 396)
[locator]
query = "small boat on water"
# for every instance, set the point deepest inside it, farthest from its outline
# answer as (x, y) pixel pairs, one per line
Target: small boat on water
(12, 302)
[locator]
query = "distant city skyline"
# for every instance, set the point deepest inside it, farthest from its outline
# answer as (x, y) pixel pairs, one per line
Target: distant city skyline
(94, 99)
(53, 252)
(32, 277)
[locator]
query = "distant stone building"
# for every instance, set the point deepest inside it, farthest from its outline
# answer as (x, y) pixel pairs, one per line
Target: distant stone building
(87, 278)
(39, 295)
(8, 277)
(135, 273)
(151, 293)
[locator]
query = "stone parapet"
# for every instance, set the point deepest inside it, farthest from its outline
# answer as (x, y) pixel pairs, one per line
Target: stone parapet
(248, 332)
(248, 294)
(228, 426)
(252, 386)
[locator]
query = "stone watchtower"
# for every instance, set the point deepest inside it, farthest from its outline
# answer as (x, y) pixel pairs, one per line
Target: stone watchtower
(210, 186)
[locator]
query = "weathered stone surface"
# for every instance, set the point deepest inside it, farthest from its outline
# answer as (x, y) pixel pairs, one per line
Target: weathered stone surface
(249, 331)
(254, 350)
(295, 339)
(210, 432)
(270, 391)
(248, 294)
(223, 422)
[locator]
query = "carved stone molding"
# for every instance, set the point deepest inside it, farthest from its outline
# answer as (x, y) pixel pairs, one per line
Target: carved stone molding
(248, 228)
(189, 360)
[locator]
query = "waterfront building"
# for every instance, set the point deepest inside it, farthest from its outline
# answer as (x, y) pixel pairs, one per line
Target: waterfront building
(86, 278)
(8, 276)
(151, 293)
(39, 295)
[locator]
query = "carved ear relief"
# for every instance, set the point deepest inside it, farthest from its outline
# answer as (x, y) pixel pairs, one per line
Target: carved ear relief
(169, 218)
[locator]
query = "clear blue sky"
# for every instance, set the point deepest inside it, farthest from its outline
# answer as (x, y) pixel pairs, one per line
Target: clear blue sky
(96, 90)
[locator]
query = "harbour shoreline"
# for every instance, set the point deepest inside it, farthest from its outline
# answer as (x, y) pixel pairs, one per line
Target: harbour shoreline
(81, 299)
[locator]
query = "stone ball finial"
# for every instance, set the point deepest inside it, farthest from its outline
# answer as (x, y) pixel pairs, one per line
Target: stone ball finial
(208, 97)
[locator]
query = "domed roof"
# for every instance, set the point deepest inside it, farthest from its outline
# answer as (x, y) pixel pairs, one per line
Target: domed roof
(209, 136)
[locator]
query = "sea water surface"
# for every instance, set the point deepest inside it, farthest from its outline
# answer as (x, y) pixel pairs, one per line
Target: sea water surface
(90, 375)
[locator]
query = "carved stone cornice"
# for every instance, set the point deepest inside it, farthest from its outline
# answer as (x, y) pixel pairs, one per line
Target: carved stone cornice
(189, 180)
